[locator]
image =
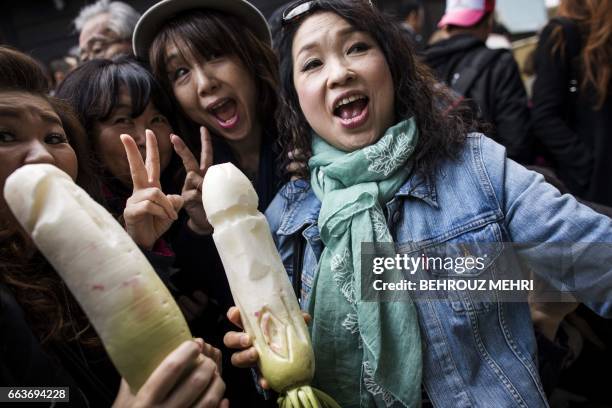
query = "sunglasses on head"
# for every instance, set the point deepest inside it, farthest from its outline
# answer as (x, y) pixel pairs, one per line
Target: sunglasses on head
(302, 8)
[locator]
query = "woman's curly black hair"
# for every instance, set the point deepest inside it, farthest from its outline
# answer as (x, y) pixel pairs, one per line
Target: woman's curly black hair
(442, 130)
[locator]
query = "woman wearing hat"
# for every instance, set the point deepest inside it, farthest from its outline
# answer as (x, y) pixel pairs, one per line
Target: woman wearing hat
(214, 58)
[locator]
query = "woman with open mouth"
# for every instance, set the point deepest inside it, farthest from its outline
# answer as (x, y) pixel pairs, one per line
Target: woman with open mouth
(215, 60)
(390, 165)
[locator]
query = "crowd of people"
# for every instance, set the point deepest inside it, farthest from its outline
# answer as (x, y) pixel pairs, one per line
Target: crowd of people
(351, 129)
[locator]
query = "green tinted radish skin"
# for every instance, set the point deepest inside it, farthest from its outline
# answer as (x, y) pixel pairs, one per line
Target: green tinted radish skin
(263, 294)
(130, 308)
(260, 286)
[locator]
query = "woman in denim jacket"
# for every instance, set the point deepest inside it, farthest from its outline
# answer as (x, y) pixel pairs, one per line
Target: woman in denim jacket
(390, 164)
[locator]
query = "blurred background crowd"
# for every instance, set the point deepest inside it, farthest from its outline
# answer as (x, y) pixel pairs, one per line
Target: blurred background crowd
(45, 29)
(560, 121)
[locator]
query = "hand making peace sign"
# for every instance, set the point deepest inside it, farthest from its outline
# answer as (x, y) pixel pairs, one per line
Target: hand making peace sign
(192, 189)
(149, 212)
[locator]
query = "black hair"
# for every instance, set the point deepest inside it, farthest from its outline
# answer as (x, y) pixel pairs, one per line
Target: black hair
(93, 90)
(205, 33)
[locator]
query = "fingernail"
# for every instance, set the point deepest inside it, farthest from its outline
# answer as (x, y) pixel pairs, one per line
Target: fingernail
(245, 340)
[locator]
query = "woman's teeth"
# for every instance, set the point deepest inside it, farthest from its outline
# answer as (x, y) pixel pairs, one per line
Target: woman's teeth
(345, 101)
(351, 106)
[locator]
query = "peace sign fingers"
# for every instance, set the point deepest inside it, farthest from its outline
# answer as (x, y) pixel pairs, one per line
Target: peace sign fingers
(185, 154)
(137, 166)
(192, 188)
(144, 173)
(148, 212)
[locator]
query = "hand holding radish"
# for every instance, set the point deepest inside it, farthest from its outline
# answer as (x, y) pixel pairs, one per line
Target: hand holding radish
(149, 212)
(247, 356)
(187, 377)
(192, 189)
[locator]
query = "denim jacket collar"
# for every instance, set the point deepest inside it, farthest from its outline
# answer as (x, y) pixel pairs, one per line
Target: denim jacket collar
(304, 206)
(419, 186)
(302, 209)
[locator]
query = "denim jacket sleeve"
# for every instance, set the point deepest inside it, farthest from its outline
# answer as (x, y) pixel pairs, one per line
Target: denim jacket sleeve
(537, 214)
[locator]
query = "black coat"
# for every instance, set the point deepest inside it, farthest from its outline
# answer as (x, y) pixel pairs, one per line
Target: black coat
(576, 137)
(414, 39)
(498, 91)
(200, 267)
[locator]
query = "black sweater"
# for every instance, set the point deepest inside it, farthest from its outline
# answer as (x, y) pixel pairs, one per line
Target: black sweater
(200, 267)
(577, 138)
(498, 90)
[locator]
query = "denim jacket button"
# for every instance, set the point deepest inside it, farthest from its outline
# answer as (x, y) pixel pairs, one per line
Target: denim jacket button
(396, 217)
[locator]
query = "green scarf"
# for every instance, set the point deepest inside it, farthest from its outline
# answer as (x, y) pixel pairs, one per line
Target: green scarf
(367, 353)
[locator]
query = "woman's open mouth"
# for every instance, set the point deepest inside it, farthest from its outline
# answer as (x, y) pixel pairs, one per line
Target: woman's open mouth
(225, 112)
(352, 110)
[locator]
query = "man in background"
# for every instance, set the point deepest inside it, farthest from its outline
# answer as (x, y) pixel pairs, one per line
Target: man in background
(489, 79)
(60, 67)
(105, 29)
(411, 16)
